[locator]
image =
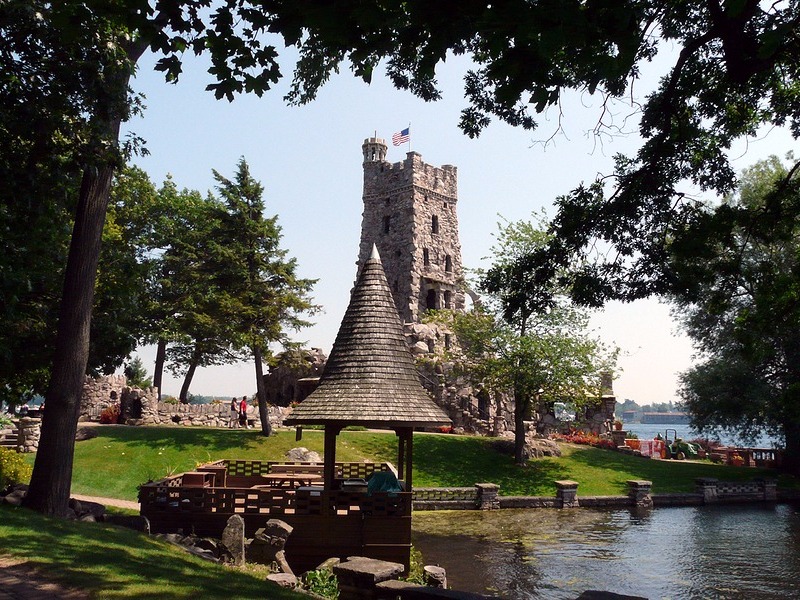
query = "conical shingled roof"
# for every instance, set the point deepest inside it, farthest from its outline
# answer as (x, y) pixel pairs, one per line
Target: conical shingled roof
(370, 378)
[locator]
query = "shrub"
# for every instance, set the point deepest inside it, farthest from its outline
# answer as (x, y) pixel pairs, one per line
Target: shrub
(110, 415)
(13, 469)
(322, 582)
(588, 439)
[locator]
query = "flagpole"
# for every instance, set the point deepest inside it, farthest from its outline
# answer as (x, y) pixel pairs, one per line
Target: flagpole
(409, 136)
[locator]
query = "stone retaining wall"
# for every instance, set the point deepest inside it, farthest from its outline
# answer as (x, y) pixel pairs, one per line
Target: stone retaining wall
(709, 491)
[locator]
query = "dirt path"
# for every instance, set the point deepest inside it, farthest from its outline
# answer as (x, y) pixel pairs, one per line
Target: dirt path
(108, 501)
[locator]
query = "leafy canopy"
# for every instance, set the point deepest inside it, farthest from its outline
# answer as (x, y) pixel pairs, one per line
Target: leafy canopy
(745, 320)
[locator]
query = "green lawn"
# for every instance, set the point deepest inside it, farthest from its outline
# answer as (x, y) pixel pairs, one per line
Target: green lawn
(120, 458)
(112, 562)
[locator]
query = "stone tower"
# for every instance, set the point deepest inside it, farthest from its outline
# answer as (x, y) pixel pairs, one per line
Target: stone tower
(410, 215)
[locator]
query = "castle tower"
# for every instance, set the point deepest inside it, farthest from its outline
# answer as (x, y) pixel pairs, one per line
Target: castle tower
(410, 215)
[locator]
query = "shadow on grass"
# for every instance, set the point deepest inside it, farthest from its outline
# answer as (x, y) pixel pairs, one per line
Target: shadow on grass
(110, 562)
(183, 438)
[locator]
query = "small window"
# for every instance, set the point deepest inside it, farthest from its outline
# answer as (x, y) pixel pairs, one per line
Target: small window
(448, 264)
(447, 341)
(426, 257)
(435, 224)
(430, 300)
(447, 297)
(387, 224)
(396, 286)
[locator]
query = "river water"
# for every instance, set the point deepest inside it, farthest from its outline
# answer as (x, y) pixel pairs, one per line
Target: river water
(722, 552)
(647, 431)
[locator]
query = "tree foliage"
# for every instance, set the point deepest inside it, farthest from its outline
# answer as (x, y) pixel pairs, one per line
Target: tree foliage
(511, 344)
(744, 319)
(266, 295)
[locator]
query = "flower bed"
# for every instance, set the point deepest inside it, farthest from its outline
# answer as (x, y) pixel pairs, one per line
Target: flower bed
(587, 439)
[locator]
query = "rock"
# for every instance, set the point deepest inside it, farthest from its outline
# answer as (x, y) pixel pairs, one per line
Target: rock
(435, 577)
(13, 499)
(233, 539)
(283, 564)
(135, 522)
(286, 580)
(84, 507)
(268, 542)
(301, 454)
(539, 447)
(85, 433)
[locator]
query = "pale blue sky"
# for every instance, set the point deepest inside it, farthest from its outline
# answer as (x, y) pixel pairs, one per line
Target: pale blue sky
(309, 161)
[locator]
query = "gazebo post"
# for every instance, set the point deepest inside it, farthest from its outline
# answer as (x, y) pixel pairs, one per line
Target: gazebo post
(409, 456)
(401, 451)
(329, 471)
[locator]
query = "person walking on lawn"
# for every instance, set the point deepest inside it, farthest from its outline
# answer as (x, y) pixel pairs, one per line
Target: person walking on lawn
(233, 422)
(243, 413)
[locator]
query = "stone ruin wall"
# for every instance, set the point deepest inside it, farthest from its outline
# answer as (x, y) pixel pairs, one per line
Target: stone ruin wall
(99, 393)
(141, 407)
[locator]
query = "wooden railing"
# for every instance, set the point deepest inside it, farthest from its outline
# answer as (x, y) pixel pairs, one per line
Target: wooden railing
(354, 523)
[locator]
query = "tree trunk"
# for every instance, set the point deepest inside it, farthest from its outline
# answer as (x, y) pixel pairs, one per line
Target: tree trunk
(261, 393)
(520, 406)
(52, 472)
(791, 456)
(158, 370)
(187, 380)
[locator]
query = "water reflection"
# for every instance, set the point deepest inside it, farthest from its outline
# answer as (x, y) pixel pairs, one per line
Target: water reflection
(727, 552)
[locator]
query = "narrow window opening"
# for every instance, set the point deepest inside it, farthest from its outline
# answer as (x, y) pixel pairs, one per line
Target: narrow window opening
(435, 224)
(387, 223)
(426, 257)
(448, 264)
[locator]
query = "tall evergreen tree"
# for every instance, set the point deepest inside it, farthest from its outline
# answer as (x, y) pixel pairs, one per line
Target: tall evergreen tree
(267, 296)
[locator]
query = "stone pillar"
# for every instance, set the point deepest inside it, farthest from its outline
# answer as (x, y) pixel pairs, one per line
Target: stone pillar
(770, 487)
(708, 487)
(28, 432)
(639, 492)
(488, 496)
(567, 494)
(358, 576)
(618, 437)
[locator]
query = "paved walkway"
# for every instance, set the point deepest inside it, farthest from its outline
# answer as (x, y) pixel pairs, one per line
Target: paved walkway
(21, 581)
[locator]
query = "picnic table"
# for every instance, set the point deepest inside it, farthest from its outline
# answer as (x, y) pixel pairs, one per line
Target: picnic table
(288, 480)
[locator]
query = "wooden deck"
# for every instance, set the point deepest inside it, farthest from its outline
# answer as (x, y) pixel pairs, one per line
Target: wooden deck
(339, 522)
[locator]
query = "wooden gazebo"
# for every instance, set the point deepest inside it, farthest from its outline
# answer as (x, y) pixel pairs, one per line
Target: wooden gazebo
(370, 378)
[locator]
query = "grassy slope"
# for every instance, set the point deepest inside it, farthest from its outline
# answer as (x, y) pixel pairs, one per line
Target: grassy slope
(111, 562)
(120, 458)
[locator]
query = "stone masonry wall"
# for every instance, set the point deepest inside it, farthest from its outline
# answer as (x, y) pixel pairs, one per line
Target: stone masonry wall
(410, 215)
(100, 393)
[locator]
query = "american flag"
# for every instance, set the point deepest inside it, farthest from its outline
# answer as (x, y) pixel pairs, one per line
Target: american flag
(401, 137)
